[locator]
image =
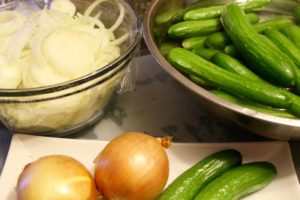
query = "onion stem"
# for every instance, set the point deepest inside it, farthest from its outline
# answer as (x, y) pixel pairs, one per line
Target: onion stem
(166, 141)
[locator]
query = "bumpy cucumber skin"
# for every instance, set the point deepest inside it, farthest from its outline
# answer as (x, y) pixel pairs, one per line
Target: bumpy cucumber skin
(239, 181)
(220, 39)
(267, 61)
(231, 64)
(283, 43)
(191, 63)
(216, 11)
(204, 13)
(292, 31)
(187, 29)
(189, 183)
(276, 23)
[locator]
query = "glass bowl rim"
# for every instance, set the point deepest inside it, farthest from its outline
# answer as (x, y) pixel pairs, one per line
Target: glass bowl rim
(85, 78)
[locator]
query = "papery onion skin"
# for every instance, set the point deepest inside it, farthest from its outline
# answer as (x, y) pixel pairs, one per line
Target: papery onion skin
(133, 166)
(56, 177)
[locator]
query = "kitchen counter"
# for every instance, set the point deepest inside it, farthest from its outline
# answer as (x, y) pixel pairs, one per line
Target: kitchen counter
(159, 106)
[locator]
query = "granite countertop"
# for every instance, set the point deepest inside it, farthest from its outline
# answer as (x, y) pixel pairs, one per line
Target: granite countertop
(158, 105)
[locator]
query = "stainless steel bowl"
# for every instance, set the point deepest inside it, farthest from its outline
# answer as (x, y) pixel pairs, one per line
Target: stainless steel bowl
(260, 123)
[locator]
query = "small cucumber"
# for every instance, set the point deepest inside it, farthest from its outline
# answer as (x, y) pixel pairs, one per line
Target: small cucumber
(191, 63)
(200, 82)
(193, 42)
(205, 53)
(189, 183)
(220, 39)
(295, 104)
(252, 105)
(232, 51)
(233, 65)
(216, 11)
(267, 60)
(173, 11)
(166, 46)
(169, 12)
(296, 13)
(239, 182)
(187, 29)
(283, 43)
(275, 23)
(292, 31)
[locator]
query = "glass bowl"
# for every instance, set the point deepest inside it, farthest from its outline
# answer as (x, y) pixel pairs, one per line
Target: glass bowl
(65, 108)
(261, 123)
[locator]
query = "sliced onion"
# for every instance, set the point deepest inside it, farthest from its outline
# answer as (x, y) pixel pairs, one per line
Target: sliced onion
(55, 177)
(133, 166)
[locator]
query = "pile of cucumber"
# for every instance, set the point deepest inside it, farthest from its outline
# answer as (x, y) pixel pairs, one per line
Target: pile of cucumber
(220, 176)
(230, 50)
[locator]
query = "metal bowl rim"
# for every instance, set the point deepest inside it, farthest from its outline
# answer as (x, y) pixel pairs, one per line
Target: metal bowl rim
(147, 23)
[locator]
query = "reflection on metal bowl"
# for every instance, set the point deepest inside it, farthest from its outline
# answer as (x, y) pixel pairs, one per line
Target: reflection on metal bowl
(264, 124)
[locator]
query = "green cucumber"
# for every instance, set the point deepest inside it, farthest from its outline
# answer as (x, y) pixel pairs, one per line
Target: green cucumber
(295, 103)
(166, 46)
(292, 31)
(200, 82)
(205, 53)
(216, 11)
(220, 39)
(296, 13)
(239, 182)
(186, 29)
(173, 10)
(267, 60)
(189, 62)
(193, 42)
(252, 105)
(283, 43)
(232, 51)
(189, 183)
(233, 65)
(169, 12)
(275, 23)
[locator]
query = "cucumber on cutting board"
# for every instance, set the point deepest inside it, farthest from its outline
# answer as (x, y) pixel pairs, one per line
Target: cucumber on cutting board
(239, 182)
(189, 183)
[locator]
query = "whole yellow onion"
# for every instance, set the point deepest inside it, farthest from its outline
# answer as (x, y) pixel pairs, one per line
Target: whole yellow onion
(56, 177)
(133, 166)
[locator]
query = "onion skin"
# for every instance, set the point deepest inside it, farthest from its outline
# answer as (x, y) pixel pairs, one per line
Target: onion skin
(133, 166)
(56, 177)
